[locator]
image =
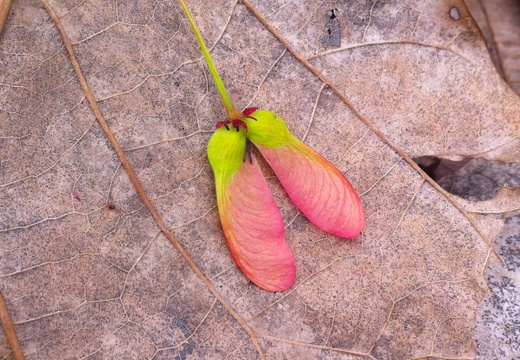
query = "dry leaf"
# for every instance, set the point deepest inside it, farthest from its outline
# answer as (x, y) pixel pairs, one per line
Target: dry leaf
(499, 21)
(86, 271)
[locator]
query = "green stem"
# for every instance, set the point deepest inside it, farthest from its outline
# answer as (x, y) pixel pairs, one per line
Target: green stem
(232, 111)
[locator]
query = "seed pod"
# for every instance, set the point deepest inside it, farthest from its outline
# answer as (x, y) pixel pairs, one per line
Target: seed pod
(315, 186)
(251, 221)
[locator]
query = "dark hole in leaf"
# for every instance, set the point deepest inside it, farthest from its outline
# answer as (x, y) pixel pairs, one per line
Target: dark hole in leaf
(332, 14)
(471, 179)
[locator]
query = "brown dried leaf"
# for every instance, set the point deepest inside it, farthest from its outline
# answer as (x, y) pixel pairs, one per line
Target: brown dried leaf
(84, 267)
(499, 21)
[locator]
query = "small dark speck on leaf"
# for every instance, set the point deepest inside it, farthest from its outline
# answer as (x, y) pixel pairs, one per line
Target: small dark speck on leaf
(454, 13)
(75, 196)
(111, 207)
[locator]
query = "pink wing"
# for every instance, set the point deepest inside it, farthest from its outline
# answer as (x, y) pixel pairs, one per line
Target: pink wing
(254, 229)
(317, 188)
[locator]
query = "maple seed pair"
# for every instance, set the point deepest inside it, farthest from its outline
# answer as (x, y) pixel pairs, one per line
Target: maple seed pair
(251, 221)
(237, 123)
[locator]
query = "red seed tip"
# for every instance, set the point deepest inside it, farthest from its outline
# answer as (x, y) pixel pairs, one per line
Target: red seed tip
(248, 111)
(222, 123)
(239, 123)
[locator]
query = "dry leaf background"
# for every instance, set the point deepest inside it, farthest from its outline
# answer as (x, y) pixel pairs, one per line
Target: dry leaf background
(498, 20)
(86, 271)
